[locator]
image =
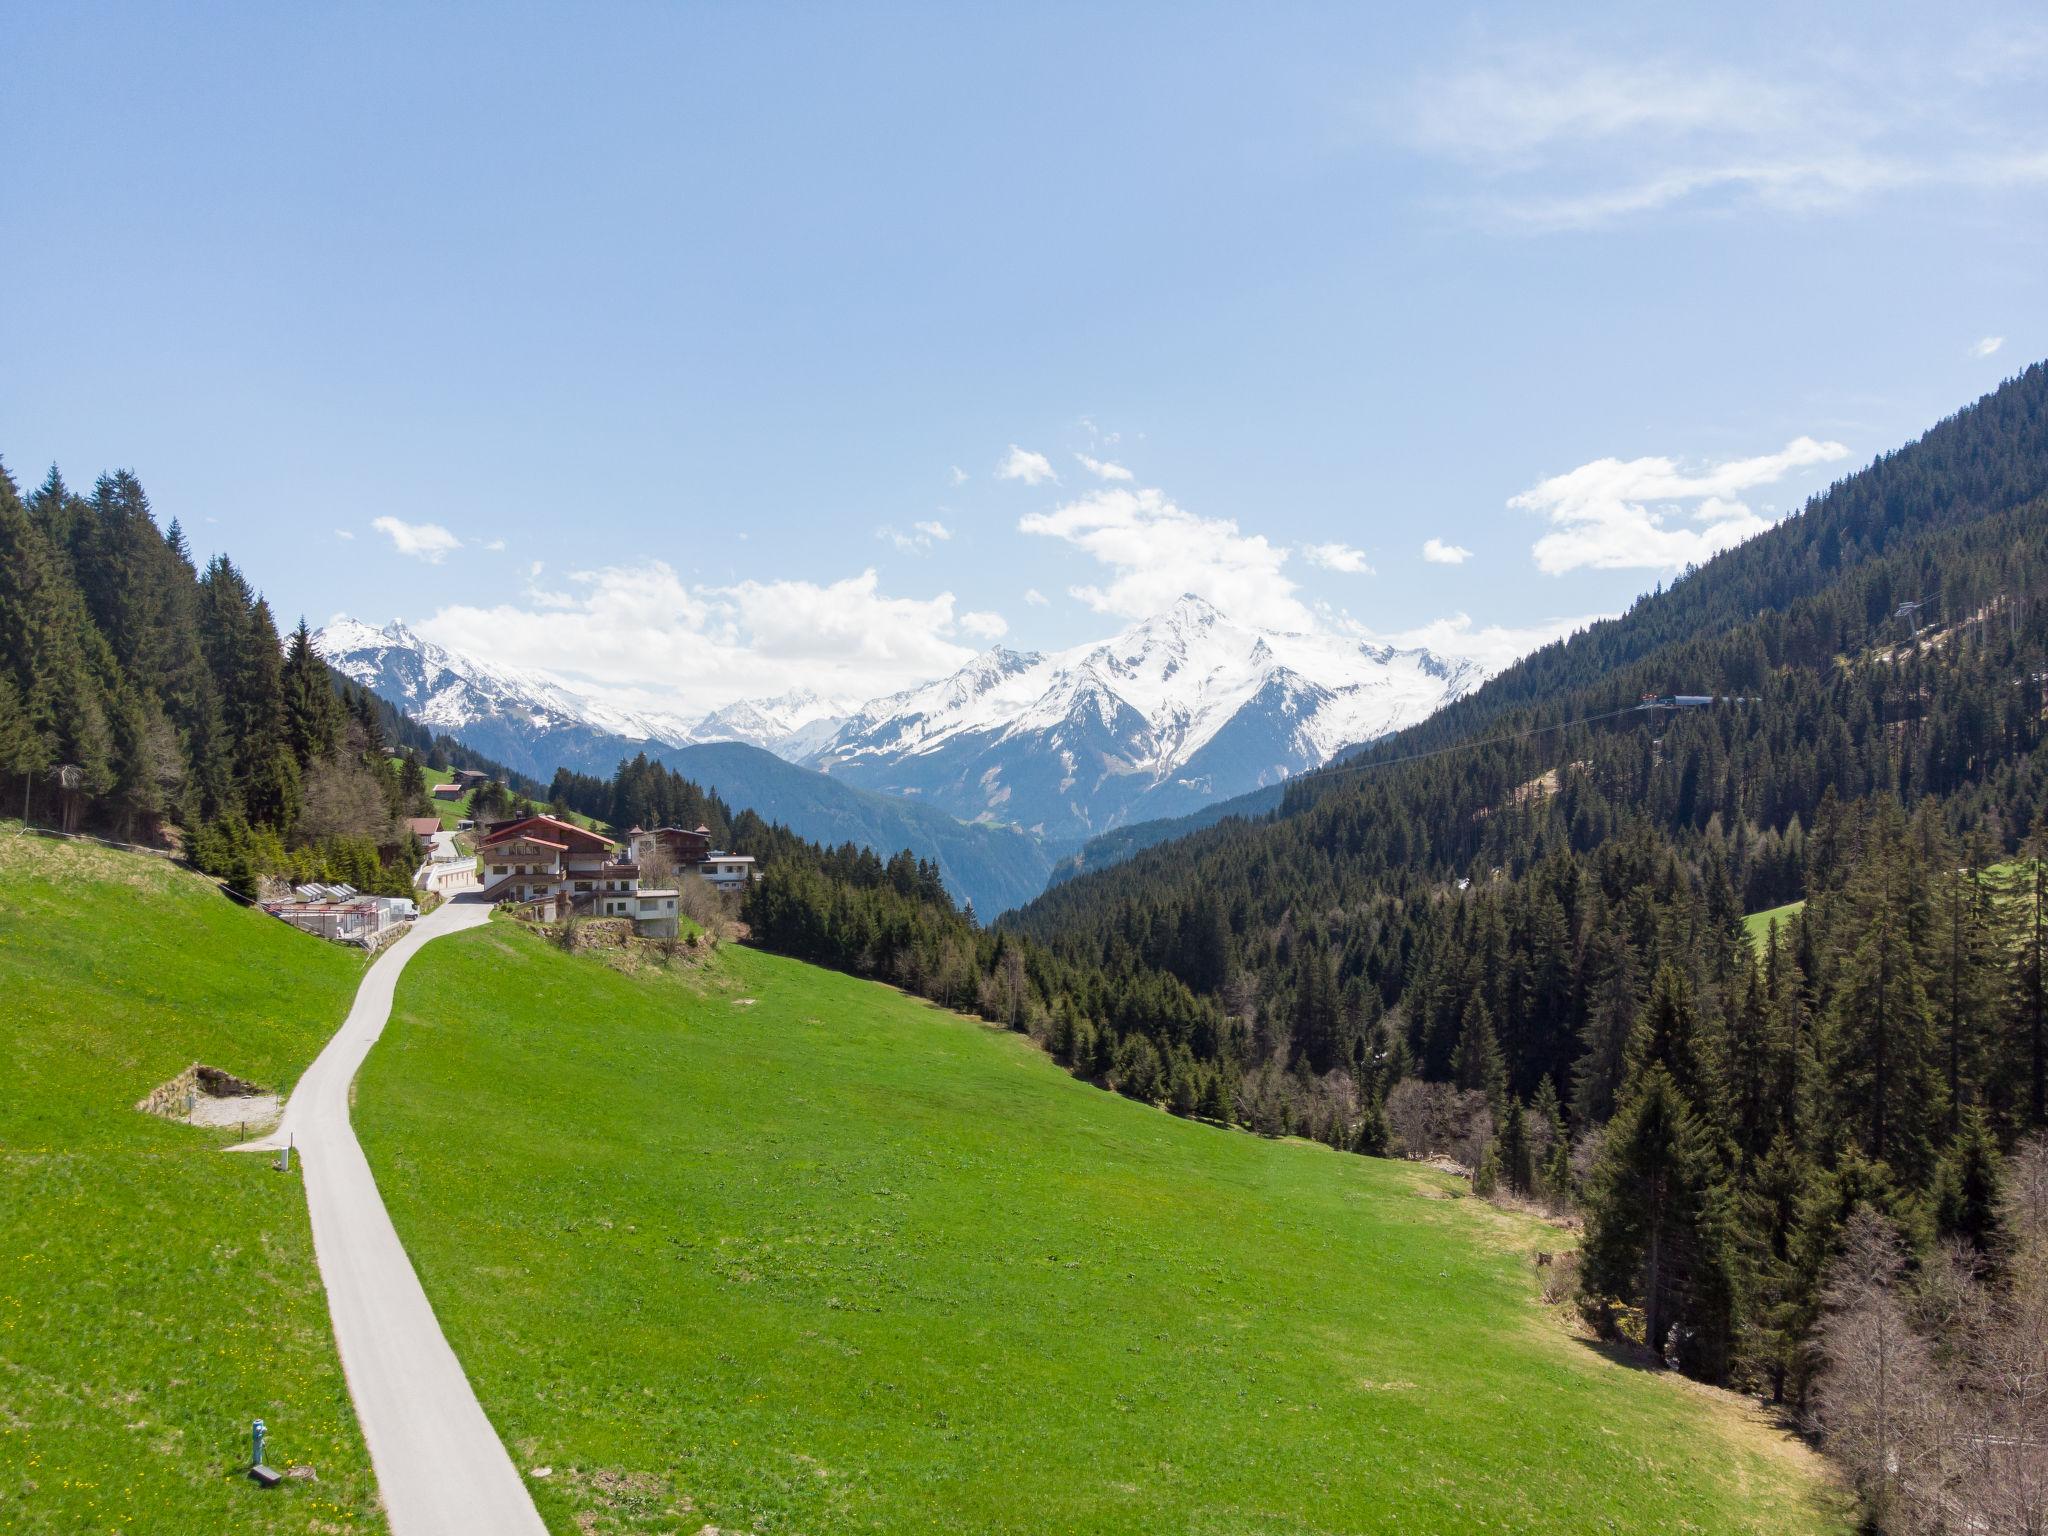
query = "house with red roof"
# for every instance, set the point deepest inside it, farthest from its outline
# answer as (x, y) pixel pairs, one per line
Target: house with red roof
(561, 868)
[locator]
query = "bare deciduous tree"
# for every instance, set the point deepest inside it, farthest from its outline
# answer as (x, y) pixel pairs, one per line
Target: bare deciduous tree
(1439, 1120)
(1874, 1399)
(342, 798)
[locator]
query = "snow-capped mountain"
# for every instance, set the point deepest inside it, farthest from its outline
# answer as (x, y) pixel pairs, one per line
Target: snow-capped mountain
(1186, 707)
(795, 725)
(536, 722)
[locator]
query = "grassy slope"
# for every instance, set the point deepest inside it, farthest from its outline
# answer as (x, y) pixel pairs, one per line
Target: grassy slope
(1758, 924)
(155, 1294)
(453, 811)
(837, 1261)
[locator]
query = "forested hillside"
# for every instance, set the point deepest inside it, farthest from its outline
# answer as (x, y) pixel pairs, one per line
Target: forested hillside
(139, 694)
(1517, 929)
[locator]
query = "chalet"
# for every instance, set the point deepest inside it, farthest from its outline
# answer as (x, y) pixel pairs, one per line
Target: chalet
(448, 792)
(423, 827)
(468, 778)
(691, 850)
(685, 848)
(561, 868)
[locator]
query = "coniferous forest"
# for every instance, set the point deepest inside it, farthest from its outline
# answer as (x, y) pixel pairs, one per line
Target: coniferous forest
(1515, 936)
(143, 697)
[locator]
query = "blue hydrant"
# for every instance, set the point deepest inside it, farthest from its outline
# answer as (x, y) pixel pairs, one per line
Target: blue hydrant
(256, 1433)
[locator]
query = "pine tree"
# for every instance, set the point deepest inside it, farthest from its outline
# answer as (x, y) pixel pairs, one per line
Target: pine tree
(1770, 1205)
(1478, 1063)
(1517, 1165)
(1668, 1034)
(1656, 1224)
(1879, 1047)
(313, 715)
(1610, 1020)
(1967, 1193)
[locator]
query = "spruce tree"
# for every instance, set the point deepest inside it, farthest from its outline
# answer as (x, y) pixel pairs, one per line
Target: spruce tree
(1478, 1063)
(1967, 1193)
(1879, 1051)
(1657, 1231)
(1517, 1165)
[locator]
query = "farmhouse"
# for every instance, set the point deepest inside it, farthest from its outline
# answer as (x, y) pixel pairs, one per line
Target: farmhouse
(692, 850)
(448, 792)
(686, 848)
(560, 868)
(423, 827)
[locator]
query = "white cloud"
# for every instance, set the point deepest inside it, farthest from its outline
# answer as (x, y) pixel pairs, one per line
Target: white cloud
(1104, 469)
(495, 546)
(343, 533)
(1559, 139)
(1615, 514)
(1437, 552)
(640, 637)
(1023, 464)
(1036, 598)
(956, 476)
(920, 539)
(1155, 551)
(423, 541)
(1988, 347)
(1337, 557)
(537, 567)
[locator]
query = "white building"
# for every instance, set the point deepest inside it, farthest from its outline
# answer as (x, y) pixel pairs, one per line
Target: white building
(727, 871)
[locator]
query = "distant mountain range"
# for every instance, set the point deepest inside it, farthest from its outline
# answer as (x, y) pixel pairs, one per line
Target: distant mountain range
(536, 722)
(1183, 710)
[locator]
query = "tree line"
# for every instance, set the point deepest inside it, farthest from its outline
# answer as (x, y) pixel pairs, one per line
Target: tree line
(145, 697)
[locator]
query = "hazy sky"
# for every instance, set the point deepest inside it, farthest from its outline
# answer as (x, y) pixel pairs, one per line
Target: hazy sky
(712, 349)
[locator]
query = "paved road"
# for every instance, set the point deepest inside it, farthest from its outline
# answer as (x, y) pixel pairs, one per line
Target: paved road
(450, 870)
(442, 1468)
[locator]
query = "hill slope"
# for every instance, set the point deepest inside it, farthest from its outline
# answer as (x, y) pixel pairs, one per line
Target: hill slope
(781, 1250)
(157, 1295)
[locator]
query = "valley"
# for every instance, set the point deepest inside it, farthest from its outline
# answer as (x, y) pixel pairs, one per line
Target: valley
(1027, 754)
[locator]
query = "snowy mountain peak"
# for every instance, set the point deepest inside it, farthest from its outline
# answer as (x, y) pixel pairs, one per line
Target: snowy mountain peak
(1186, 706)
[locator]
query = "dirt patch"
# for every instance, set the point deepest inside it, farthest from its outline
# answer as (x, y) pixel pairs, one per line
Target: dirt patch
(618, 1500)
(203, 1095)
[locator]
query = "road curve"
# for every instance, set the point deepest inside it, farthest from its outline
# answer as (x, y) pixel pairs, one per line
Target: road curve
(442, 1469)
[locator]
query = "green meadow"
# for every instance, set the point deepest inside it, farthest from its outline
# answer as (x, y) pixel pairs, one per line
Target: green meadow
(157, 1294)
(752, 1246)
(1758, 924)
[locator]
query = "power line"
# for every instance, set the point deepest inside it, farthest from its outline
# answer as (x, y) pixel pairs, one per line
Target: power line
(1466, 746)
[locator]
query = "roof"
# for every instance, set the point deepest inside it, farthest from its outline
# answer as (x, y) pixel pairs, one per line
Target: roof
(568, 831)
(424, 826)
(448, 791)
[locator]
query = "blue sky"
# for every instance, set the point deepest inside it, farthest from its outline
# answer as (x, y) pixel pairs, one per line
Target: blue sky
(710, 350)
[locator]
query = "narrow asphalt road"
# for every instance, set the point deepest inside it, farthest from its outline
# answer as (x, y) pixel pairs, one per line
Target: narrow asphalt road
(441, 1467)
